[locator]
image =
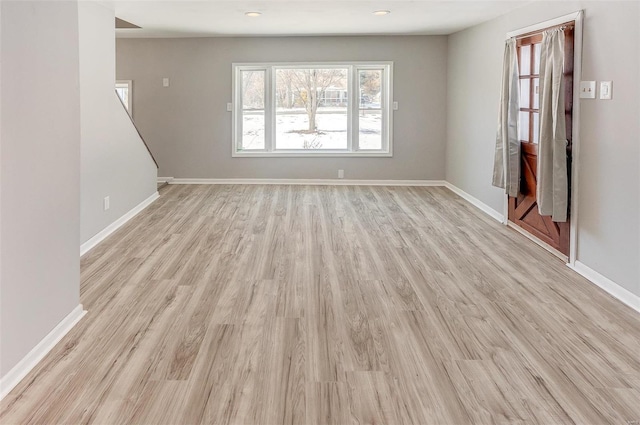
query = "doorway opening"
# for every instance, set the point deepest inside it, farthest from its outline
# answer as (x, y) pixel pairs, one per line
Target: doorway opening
(522, 210)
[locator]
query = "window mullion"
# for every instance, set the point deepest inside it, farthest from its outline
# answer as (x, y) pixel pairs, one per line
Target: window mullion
(269, 115)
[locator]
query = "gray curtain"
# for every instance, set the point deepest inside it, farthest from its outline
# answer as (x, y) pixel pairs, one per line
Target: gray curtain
(553, 183)
(506, 164)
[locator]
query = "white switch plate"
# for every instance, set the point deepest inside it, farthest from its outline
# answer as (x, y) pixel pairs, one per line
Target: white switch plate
(340, 174)
(229, 107)
(587, 89)
(106, 203)
(605, 90)
(395, 106)
(165, 82)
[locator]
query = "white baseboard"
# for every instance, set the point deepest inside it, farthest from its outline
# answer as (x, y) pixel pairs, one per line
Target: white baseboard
(608, 285)
(165, 179)
(475, 202)
(85, 247)
(24, 366)
(312, 182)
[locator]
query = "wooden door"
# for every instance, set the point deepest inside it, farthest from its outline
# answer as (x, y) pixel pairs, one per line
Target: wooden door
(523, 209)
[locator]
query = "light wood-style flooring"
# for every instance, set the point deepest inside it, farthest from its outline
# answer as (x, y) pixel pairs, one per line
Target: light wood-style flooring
(332, 305)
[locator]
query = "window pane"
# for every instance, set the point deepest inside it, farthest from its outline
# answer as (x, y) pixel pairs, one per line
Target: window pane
(525, 60)
(536, 58)
(252, 130)
(536, 93)
(370, 84)
(525, 93)
(370, 136)
(524, 126)
(253, 89)
(536, 127)
(123, 92)
(311, 108)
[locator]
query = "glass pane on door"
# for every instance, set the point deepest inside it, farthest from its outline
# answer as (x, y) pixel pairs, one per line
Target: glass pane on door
(536, 58)
(524, 126)
(525, 90)
(525, 60)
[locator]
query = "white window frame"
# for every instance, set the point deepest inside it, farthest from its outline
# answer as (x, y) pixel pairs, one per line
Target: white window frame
(353, 110)
(128, 84)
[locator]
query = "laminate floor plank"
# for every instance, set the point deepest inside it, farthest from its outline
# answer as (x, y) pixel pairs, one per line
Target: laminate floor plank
(313, 305)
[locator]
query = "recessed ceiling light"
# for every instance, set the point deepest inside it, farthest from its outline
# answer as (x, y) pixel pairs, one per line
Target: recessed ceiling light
(381, 12)
(253, 14)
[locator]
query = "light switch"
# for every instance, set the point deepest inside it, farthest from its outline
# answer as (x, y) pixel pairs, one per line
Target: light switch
(605, 89)
(395, 106)
(587, 89)
(165, 82)
(229, 107)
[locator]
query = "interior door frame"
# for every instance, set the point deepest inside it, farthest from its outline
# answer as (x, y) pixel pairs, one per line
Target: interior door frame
(578, 17)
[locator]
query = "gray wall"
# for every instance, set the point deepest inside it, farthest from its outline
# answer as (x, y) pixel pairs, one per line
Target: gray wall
(609, 218)
(189, 129)
(114, 161)
(39, 173)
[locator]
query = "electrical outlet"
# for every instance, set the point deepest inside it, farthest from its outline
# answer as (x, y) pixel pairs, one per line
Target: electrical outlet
(340, 174)
(165, 82)
(105, 203)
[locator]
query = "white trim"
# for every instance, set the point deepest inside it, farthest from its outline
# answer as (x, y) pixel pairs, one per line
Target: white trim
(313, 182)
(85, 247)
(28, 362)
(314, 154)
(546, 24)
(575, 143)
(475, 202)
(165, 179)
(615, 290)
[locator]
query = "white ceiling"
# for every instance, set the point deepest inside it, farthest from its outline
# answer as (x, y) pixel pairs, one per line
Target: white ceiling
(304, 17)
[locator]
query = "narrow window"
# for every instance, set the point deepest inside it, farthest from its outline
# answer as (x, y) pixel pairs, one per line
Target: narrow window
(124, 91)
(252, 86)
(370, 132)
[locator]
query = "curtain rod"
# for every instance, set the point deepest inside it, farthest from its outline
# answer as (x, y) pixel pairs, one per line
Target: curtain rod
(565, 26)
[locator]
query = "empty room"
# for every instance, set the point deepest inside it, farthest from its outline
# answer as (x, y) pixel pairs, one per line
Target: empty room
(319, 212)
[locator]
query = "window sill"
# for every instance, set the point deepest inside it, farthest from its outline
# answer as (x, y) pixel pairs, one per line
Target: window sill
(362, 154)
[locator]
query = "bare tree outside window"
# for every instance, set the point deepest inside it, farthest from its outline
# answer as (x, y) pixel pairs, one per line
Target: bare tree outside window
(307, 88)
(253, 89)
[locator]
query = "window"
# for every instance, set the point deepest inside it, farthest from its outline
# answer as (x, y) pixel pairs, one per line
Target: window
(301, 109)
(123, 88)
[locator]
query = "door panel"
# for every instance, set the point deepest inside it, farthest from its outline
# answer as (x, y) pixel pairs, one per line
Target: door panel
(523, 210)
